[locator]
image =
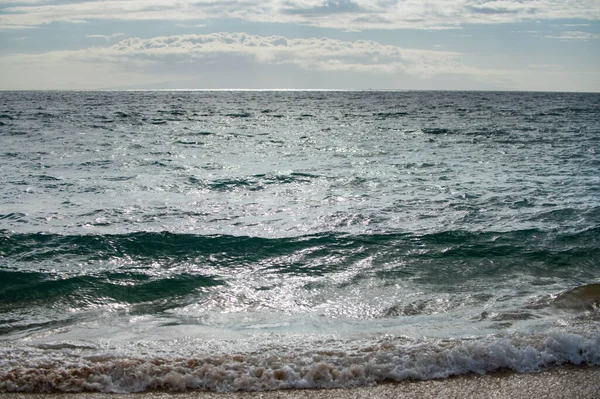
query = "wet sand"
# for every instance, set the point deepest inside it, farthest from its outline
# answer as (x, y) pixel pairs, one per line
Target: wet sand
(560, 382)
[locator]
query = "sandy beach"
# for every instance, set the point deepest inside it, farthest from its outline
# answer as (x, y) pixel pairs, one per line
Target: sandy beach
(559, 382)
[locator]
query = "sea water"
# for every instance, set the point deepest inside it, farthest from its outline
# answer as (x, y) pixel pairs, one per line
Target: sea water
(262, 240)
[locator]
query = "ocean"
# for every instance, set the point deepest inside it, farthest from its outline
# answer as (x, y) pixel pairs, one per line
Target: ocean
(263, 240)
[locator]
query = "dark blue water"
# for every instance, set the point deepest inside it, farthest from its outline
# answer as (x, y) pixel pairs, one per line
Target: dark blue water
(264, 240)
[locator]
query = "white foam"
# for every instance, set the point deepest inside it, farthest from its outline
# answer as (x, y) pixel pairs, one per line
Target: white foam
(39, 370)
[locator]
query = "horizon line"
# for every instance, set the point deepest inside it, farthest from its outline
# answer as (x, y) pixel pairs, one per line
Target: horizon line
(302, 90)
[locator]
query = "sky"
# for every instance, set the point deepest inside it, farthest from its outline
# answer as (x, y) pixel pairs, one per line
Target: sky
(531, 45)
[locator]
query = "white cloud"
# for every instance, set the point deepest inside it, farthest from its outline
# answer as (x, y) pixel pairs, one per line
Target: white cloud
(575, 35)
(239, 60)
(231, 55)
(106, 37)
(341, 14)
(314, 53)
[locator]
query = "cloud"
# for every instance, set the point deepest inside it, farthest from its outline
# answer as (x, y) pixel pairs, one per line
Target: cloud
(240, 60)
(314, 53)
(106, 37)
(575, 35)
(231, 56)
(545, 66)
(340, 14)
(507, 9)
(327, 7)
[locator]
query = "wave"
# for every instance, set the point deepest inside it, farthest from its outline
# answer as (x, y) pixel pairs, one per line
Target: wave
(252, 183)
(529, 243)
(163, 269)
(65, 367)
(123, 287)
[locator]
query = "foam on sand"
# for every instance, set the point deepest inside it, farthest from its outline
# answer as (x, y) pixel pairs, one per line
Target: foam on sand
(67, 370)
(558, 382)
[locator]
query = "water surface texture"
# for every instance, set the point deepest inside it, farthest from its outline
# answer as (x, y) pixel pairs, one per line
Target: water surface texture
(268, 240)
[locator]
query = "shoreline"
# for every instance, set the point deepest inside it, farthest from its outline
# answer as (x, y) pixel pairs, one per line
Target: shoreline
(567, 381)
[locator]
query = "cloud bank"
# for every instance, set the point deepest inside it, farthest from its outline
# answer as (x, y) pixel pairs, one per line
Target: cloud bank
(314, 53)
(239, 54)
(341, 14)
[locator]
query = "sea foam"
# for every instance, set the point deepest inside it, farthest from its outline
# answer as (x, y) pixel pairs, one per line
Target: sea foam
(66, 370)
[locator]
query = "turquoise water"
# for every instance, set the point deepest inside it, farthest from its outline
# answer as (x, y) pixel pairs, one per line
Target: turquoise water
(269, 240)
